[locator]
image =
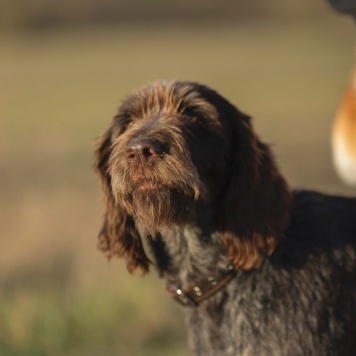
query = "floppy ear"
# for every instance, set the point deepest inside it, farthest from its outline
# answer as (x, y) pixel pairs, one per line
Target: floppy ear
(255, 206)
(118, 235)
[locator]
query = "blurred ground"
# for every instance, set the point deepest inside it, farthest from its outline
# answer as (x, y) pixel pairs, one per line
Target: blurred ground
(59, 90)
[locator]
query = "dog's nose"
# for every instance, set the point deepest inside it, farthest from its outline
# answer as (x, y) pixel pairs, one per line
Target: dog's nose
(142, 149)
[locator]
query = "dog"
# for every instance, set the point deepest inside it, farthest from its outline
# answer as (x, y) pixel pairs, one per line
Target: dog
(191, 191)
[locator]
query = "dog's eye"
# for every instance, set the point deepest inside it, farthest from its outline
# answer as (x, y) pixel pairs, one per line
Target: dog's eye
(127, 124)
(191, 118)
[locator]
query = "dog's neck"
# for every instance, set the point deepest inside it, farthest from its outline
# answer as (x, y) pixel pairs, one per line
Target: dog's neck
(188, 253)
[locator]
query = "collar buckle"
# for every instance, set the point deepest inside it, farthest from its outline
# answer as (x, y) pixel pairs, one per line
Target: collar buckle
(181, 297)
(208, 287)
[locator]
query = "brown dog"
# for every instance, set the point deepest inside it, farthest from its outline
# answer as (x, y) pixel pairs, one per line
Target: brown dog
(190, 189)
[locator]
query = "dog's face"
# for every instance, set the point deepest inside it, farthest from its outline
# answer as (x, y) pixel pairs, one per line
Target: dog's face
(173, 147)
(168, 152)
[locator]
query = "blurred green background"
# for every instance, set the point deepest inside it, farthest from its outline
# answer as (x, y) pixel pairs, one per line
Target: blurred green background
(64, 68)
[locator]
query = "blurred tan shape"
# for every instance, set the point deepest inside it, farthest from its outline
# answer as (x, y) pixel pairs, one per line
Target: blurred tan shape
(344, 135)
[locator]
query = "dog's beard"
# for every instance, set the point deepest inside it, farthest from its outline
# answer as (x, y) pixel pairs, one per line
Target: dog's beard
(159, 194)
(162, 206)
(156, 204)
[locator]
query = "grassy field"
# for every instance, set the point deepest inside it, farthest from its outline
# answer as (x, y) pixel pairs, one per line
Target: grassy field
(59, 90)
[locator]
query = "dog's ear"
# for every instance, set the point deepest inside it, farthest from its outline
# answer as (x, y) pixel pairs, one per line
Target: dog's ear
(255, 205)
(118, 235)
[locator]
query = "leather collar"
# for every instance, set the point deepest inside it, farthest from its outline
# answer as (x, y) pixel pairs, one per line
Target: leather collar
(202, 291)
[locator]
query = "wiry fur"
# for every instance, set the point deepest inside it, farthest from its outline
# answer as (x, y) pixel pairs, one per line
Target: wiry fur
(205, 193)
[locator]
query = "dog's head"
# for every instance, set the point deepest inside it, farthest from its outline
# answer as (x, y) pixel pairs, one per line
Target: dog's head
(174, 147)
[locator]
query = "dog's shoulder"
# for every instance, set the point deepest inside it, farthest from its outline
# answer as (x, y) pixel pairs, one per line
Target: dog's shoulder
(332, 216)
(321, 227)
